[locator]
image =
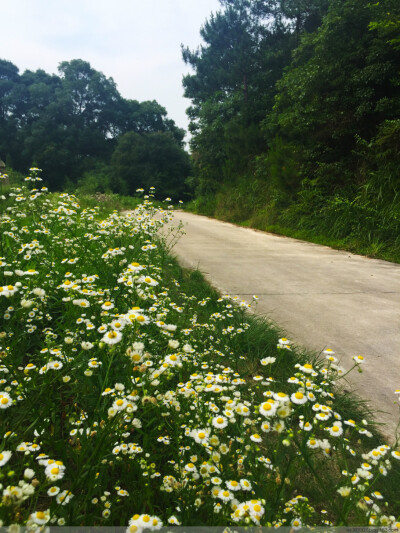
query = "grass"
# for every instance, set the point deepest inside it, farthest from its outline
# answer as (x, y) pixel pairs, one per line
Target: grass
(133, 394)
(108, 202)
(366, 225)
(377, 250)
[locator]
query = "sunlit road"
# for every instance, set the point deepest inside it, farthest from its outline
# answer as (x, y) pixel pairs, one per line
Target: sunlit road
(320, 297)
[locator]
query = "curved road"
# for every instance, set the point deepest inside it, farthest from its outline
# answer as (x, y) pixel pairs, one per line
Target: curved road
(319, 296)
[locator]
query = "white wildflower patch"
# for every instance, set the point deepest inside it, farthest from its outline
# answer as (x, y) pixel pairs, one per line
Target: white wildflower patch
(127, 400)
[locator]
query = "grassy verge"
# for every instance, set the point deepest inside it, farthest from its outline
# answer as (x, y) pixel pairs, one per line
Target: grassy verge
(106, 203)
(351, 244)
(135, 395)
(359, 226)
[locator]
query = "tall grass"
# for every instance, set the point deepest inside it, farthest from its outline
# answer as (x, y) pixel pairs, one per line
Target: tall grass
(365, 220)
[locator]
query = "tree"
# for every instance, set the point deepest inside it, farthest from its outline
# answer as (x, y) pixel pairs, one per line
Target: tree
(151, 160)
(387, 21)
(92, 98)
(233, 87)
(9, 76)
(69, 124)
(338, 86)
(146, 117)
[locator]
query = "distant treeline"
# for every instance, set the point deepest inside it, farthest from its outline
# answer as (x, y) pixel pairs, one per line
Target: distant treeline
(295, 114)
(76, 126)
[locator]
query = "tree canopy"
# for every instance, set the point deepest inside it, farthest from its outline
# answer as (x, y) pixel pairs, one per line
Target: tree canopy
(288, 90)
(68, 124)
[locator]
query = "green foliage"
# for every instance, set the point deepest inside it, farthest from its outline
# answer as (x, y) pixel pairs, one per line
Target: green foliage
(157, 395)
(70, 124)
(318, 135)
(151, 160)
(95, 181)
(387, 21)
(106, 203)
(232, 88)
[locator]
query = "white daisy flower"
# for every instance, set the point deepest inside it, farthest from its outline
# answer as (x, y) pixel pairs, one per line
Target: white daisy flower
(296, 524)
(53, 491)
(107, 306)
(64, 497)
(54, 471)
(219, 422)
(112, 337)
(336, 430)
(5, 400)
(245, 484)
(4, 457)
(268, 361)
(119, 404)
(233, 485)
(225, 495)
(265, 427)
(305, 426)
(40, 517)
(298, 398)
(268, 408)
(200, 435)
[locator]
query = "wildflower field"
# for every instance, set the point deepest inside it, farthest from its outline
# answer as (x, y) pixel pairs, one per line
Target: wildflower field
(131, 394)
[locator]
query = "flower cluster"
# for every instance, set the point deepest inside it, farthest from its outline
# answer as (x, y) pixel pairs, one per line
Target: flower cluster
(127, 399)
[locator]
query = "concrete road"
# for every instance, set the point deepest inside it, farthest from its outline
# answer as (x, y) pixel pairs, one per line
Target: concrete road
(319, 296)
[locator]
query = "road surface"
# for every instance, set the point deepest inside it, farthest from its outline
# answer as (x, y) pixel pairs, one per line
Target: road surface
(319, 296)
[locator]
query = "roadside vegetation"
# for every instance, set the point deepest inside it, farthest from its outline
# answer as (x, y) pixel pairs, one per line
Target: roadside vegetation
(362, 226)
(80, 130)
(132, 394)
(295, 120)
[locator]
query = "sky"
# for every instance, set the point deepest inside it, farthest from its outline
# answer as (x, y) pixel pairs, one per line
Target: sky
(135, 42)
